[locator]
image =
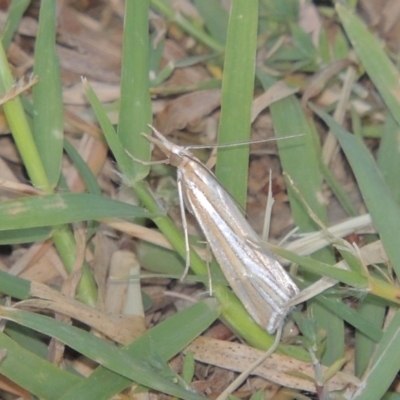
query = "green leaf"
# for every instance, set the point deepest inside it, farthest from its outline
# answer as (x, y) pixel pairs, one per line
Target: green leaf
(364, 346)
(84, 171)
(135, 85)
(30, 235)
(352, 278)
(14, 286)
(215, 18)
(388, 159)
(125, 163)
(237, 97)
(48, 115)
(384, 365)
(33, 373)
(188, 367)
(385, 212)
(373, 58)
(130, 363)
(299, 158)
(58, 209)
(14, 15)
(164, 8)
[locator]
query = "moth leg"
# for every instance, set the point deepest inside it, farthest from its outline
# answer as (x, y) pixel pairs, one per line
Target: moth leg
(245, 374)
(185, 227)
(268, 211)
(208, 262)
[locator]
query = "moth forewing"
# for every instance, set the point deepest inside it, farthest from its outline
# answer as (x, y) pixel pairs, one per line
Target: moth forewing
(254, 274)
(256, 277)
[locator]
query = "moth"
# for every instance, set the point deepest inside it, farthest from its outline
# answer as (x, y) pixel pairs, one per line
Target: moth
(256, 277)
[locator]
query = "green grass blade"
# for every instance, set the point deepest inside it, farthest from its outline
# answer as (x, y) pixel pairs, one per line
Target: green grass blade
(14, 15)
(125, 163)
(30, 235)
(103, 383)
(22, 134)
(135, 109)
(378, 198)
(236, 99)
(164, 339)
(27, 338)
(48, 116)
(300, 160)
(136, 367)
(351, 316)
(33, 373)
(384, 366)
(163, 7)
(84, 171)
(388, 159)
(14, 286)
(339, 191)
(377, 64)
(391, 396)
(66, 248)
(20, 129)
(351, 278)
(215, 17)
(364, 346)
(58, 209)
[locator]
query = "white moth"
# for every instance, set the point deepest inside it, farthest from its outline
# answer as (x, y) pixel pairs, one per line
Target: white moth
(256, 277)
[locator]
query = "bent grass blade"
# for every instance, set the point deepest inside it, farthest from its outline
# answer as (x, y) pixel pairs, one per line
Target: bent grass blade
(256, 277)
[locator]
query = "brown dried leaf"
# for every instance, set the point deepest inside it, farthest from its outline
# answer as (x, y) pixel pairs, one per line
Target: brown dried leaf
(276, 92)
(277, 368)
(319, 82)
(374, 253)
(87, 49)
(187, 109)
(120, 328)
